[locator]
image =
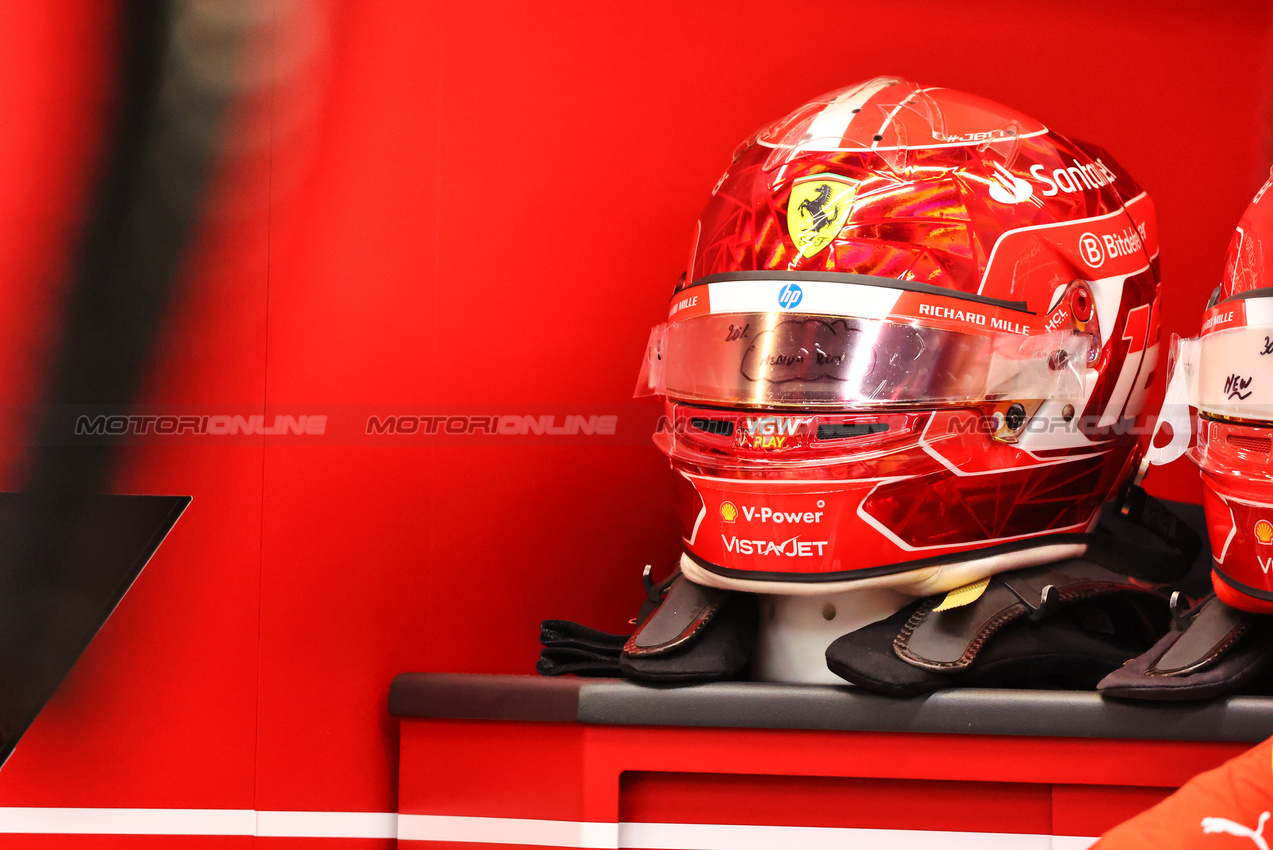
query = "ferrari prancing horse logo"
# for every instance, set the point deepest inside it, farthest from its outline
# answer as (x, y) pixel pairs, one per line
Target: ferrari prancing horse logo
(818, 208)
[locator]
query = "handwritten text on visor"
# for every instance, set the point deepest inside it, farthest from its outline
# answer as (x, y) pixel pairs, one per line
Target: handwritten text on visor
(774, 358)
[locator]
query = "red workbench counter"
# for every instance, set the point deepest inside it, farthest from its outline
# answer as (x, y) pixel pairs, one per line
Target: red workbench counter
(522, 761)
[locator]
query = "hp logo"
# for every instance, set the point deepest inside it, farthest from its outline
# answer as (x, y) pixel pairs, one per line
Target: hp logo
(789, 296)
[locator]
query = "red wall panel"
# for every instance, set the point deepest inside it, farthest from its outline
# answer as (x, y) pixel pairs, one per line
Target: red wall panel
(528, 185)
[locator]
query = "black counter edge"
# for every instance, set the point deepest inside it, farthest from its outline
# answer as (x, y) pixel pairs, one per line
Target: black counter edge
(1064, 714)
(757, 705)
(470, 696)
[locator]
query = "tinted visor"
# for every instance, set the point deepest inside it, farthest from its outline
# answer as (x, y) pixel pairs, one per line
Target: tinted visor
(801, 360)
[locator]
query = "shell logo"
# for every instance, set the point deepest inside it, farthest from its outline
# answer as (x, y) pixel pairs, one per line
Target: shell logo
(729, 513)
(1264, 531)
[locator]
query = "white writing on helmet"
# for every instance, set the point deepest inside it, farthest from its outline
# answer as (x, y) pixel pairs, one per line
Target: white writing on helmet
(1010, 327)
(770, 515)
(1126, 241)
(1073, 178)
(793, 548)
(776, 425)
(1000, 133)
(1217, 319)
(972, 318)
(1095, 249)
(683, 304)
(950, 313)
(772, 432)
(1058, 318)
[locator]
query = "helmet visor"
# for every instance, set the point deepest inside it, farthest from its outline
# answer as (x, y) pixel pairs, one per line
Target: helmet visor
(1228, 370)
(774, 359)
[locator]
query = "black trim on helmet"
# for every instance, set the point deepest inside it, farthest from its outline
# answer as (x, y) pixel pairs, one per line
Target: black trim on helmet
(894, 569)
(1259, 292)
(863, 280)
(1253, 592)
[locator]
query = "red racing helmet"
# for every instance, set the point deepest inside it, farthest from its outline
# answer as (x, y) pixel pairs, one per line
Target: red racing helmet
(1227, 373)
(912, 347)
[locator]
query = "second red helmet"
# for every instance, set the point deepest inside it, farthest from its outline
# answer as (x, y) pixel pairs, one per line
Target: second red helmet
(1227, 374)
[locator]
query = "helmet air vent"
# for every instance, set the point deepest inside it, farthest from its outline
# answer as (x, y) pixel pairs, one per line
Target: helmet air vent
(847, 430)
(1251, 444)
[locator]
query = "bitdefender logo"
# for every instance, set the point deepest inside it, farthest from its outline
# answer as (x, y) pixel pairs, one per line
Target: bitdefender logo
(1095, 249)
(1008, 188)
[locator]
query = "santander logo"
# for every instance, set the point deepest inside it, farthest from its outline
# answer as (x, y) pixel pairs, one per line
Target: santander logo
(1008, 188)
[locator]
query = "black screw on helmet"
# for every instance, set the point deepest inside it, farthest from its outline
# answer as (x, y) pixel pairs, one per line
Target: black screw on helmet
(1015, 417)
